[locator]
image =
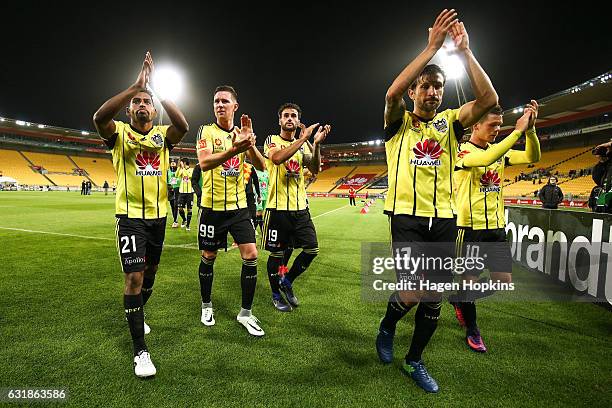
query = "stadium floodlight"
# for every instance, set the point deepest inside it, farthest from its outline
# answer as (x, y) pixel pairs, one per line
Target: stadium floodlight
(84, 133)
(20, 122)
(41, 126)
(168, 83)
(451, 64)
(515, 110)
(2, 119)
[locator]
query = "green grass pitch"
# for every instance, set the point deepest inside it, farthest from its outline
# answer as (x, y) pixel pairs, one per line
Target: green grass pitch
(62, 325)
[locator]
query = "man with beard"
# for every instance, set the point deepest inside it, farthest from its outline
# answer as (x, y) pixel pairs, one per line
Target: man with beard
(141, 153)
(287, 219)
(421, 148)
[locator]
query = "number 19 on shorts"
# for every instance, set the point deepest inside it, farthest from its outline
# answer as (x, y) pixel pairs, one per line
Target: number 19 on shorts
(272, 235)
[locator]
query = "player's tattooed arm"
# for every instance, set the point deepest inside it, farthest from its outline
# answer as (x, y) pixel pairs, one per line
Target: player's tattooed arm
(486, 97)
(103, 118)
(395, 105)
(279, 156)
(313, 161)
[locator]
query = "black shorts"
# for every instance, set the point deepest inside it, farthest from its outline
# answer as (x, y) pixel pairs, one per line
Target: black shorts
(496, 255)
(288, 228)
(185, 200)
(214, 226)
(139, 242)
(172, 193)
(426, 237)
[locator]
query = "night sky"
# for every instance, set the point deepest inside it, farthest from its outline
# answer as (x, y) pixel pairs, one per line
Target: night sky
(336, 61)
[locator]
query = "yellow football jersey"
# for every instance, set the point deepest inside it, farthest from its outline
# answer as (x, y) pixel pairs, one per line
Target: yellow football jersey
(185, 177)
(480, 201)
(222, 187)
(421, 159)
(286, 190)
(141, 162)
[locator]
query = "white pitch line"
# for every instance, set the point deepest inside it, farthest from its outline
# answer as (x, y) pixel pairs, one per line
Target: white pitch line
(184, 246)
(329, 212)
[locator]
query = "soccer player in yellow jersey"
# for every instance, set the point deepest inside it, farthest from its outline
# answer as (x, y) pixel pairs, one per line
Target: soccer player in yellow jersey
(287, 219)
(222, 149)
(140, 156)
(480, 205)
(421, 148)
(185, 199)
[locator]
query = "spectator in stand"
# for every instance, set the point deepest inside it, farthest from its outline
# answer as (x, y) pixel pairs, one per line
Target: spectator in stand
(551, 195)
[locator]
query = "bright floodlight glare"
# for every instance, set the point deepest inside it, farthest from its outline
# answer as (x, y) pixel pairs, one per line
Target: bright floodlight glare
(41, 126)
(515, 110)
(84, 133)
(20, 122)
(168, 83)
(451, 64)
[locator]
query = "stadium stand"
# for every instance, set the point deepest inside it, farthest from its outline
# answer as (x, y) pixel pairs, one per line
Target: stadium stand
(326, 180)
(578, 187)
(60, 168)
(369, 172)
(100, 169)
(13, 164)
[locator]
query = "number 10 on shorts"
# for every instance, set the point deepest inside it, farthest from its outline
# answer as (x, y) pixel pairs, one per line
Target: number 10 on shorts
(207, 231)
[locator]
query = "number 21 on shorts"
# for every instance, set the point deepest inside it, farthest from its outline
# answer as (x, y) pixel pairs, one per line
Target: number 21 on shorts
(125, 242)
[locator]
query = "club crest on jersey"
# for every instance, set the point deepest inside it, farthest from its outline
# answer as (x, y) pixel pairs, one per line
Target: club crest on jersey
(489, 182)
(231, 167)
(158, 140)
(293, 168)
(427, 153)
(218, 142)
(148, 164)
(441, 125)
(416, 125)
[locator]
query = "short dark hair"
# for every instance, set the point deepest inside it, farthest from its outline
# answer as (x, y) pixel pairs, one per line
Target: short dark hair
(148, 92)
(290, 105)
(227, 88)
(496, 110)
(429, 70)
(185, 160)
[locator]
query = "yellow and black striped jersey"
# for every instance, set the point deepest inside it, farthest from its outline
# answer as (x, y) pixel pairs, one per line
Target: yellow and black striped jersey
(421, 159)
(184, 176)
(223, 188)
(479, 192)
(141, 162)
(286, 190)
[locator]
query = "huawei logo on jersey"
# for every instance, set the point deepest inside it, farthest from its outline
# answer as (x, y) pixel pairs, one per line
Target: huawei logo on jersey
(293, 168)
(489, 182)
(427, 153)
(148, 164)
(231, 167)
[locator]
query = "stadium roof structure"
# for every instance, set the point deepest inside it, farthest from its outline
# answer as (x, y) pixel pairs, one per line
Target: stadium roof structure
(590, 98)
